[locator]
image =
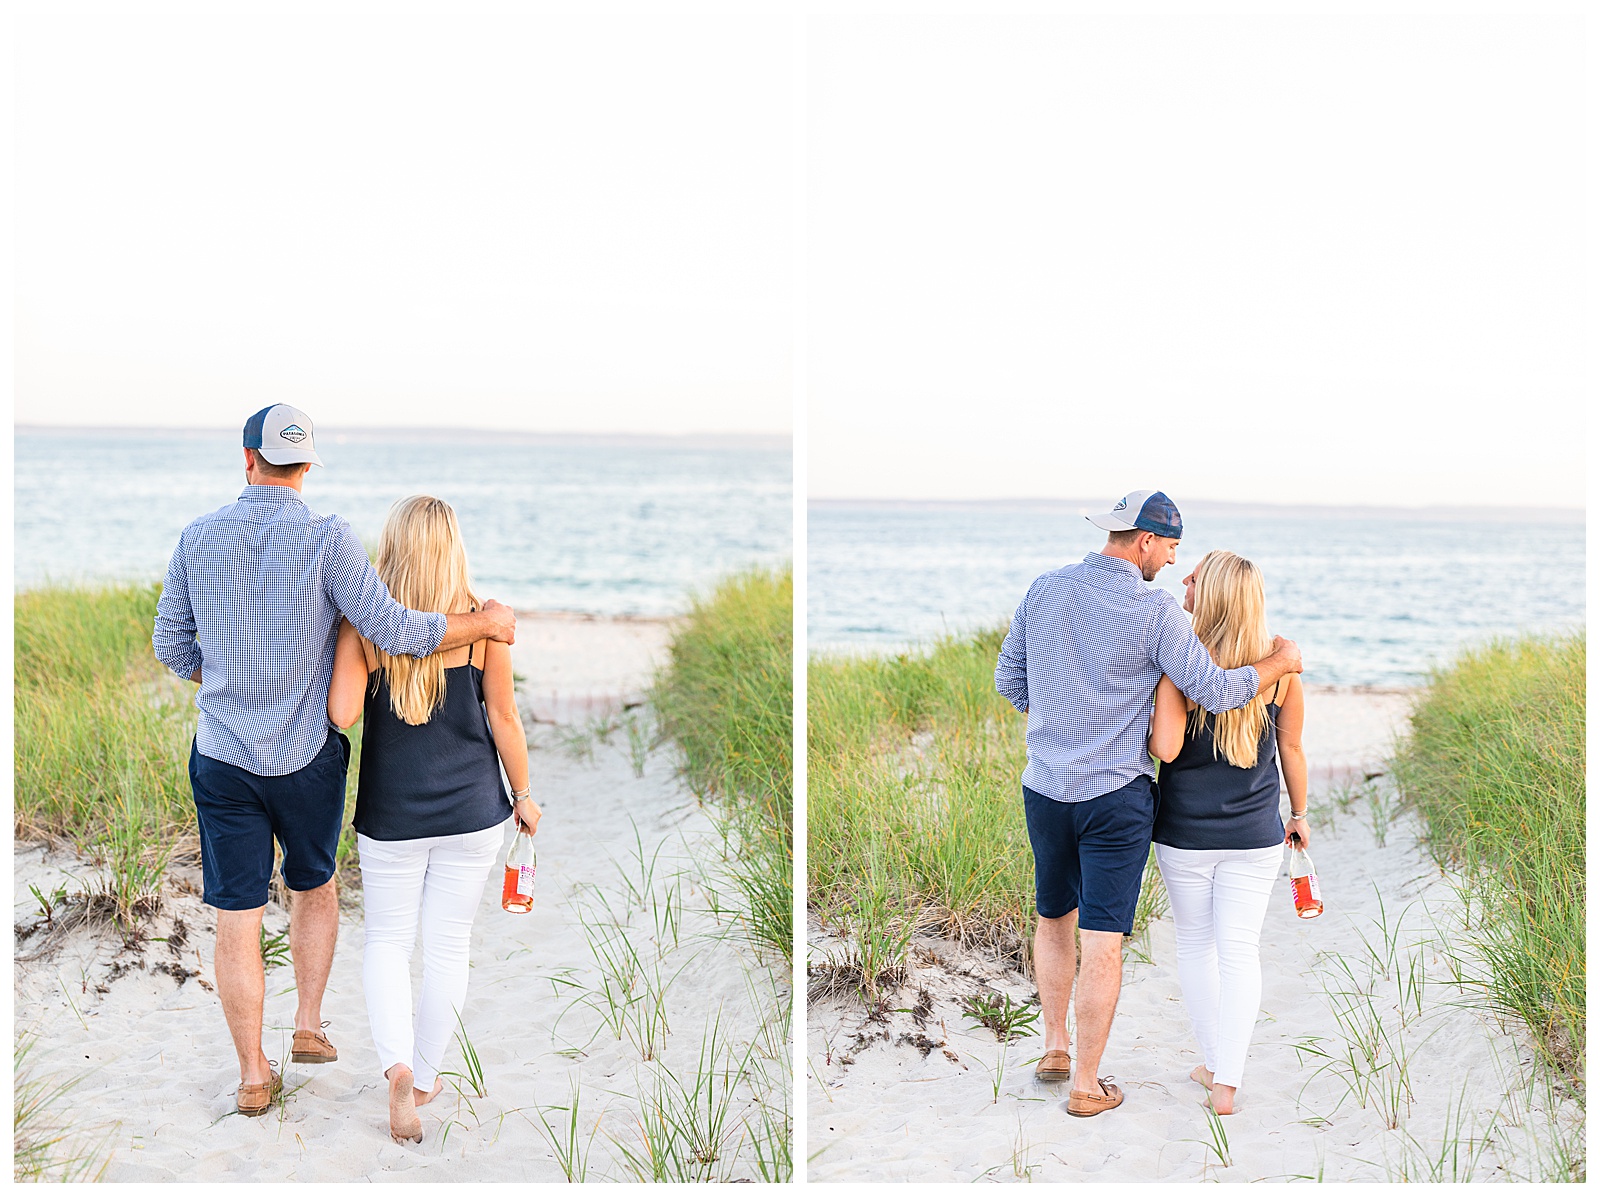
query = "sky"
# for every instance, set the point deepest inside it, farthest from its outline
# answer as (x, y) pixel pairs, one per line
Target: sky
(1254, 258)
(555, 223)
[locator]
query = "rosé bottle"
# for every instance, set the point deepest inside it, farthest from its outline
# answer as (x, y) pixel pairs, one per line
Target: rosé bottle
(1303, 882)
(516, 895)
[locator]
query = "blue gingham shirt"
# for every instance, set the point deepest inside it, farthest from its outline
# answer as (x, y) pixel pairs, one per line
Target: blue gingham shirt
(1086, 649)
(252, 598)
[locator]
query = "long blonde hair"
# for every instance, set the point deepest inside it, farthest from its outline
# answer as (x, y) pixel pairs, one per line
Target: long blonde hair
(1230, 619)
(424, 564)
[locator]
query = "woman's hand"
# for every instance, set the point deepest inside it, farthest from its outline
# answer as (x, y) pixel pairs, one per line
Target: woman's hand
(528, 814)
(1296, 827)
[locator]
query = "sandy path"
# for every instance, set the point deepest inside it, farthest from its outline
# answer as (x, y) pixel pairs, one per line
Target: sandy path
(882, 1108)
(159, 1063)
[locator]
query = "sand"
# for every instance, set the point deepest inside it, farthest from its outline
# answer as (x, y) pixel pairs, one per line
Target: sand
(903, 1099)
(145, 1028)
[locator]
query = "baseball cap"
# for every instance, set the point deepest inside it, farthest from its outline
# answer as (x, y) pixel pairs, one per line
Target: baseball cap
(1145, 510)
(283, 435)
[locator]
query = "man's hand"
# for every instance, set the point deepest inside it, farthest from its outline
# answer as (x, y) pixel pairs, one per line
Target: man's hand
(1290, 653)
(504, 618)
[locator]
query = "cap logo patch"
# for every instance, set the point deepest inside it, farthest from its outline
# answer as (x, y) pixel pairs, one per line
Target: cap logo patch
(292, 433)
(1120, 505)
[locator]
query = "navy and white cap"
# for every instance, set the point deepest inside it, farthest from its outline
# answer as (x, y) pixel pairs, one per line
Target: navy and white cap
(282, 434)
(1146, 510)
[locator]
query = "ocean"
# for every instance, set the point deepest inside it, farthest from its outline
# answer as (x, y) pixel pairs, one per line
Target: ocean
(1373, 598)
(611, 526)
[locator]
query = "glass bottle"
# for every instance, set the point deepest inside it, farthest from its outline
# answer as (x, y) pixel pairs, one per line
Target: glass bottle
(516, 894)
(1303, 881)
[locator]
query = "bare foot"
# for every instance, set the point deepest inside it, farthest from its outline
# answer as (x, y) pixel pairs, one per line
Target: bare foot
(404, 1124)
(423, 1098)
(1201, 1075)
(1222, 1099)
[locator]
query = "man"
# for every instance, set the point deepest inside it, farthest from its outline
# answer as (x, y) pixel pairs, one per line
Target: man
(250, 612)
(1082, 659)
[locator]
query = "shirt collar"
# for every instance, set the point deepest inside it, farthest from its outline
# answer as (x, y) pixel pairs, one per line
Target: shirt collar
(277, 494)
(1110, 563)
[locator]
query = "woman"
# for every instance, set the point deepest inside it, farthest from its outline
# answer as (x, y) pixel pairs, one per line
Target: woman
(430, 806)
(1218, 836)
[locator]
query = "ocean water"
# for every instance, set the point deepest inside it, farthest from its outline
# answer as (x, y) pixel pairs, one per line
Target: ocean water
(606, 526)
(1373, 600)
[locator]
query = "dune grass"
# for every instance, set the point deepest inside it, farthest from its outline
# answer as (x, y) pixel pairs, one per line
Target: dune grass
(914, 807)
(726, 697)
(103, 731)
(1494, 763)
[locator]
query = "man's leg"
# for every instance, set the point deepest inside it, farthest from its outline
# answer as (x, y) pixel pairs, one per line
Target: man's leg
(242, 987)
(313, 931)
(1054, 962)
(1099, 985)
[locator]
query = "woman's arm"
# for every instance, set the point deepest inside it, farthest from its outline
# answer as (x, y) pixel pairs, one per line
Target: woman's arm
(1291, 723)
(505, 723)
(347, 691)
(1166, 724)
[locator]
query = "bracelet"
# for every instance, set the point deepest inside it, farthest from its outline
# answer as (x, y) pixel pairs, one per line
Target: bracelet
(1295, 817)
(522, 794)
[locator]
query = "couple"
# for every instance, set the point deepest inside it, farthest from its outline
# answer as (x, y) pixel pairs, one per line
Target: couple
(1088, 649)
(291, 633)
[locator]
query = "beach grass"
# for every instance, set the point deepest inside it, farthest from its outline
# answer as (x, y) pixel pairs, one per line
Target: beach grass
(1494, 763)
(103, 732)
(102, 728)
(914, 808)
(914, 817)
(726, 698)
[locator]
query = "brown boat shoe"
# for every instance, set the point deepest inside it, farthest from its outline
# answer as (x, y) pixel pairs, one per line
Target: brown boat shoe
(310, 1046)
(1054, 1067)
(255, 1099)
(1086, 1105)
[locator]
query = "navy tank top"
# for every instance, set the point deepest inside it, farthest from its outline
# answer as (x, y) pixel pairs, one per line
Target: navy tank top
(432, 780)
(1208, 804)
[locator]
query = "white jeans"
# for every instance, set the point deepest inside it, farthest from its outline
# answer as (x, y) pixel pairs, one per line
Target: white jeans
(437, 883)
(1219, 900)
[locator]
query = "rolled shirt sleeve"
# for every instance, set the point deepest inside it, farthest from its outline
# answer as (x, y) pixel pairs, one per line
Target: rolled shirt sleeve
(354, 586)
(174, 637)
(1185, 660)
(1011, 668)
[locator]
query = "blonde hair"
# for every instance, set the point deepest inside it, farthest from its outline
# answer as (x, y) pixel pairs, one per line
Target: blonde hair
(422, 561)
(1230, 619)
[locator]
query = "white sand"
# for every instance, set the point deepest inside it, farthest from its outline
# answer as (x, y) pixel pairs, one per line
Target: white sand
(899, 1113)
(573, 666)
(160, 1065)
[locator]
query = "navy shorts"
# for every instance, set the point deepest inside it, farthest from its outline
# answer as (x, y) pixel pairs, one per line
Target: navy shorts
(241, 813)
(1090, 856)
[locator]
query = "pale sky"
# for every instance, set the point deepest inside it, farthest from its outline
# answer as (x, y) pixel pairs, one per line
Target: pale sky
(1322, 260)
(554, 223)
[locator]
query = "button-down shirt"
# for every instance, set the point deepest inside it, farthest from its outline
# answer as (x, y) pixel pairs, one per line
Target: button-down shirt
(252, 600)
(1086, 649)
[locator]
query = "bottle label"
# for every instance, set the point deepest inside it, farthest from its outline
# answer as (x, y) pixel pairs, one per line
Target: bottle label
(1311, 887)
(525, 880)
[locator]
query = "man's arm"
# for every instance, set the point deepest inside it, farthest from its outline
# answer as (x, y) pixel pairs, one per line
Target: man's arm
(494, 621)
(354, 586)
(173, 638)
(1011, 669)
(1185, 659)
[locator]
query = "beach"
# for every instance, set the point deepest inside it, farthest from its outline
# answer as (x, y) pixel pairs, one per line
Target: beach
(630, 984)
(1368, 1063)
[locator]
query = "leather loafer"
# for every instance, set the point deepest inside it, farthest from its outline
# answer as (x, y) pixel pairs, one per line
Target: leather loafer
(1055, 1067)
(311, 1047)
(255, 1099)
(1086, 1105)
